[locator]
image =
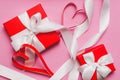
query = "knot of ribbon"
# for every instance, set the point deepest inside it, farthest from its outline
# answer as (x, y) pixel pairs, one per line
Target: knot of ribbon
(91, 66)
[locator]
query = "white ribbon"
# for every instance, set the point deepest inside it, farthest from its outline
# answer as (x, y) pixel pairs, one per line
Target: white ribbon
(91, 66)
(72, 44)
(13, 75)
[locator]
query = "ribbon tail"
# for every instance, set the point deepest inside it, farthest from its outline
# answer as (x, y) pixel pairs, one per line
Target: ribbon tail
(92, 41)
(105, 15)
(74, 73)
(63, 70)
(48, 27)
(67, 38)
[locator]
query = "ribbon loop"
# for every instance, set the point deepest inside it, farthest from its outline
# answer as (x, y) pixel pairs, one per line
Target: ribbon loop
(35, 21)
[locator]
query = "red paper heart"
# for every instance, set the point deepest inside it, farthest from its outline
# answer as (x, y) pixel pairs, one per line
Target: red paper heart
(21, 54)
(77, 14)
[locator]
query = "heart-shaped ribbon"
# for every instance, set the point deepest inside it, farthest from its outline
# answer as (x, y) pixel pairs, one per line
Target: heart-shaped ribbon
(77, 12)
(21, 54)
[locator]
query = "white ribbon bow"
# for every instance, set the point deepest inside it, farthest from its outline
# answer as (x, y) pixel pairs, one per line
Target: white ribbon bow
(71, 65)
(34, 26)
(91, 66)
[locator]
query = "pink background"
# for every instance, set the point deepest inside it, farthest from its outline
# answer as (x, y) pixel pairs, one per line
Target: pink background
(57, 55)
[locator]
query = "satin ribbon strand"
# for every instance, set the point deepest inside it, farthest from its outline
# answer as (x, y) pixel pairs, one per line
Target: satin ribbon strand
(12, 74)
(63, 70)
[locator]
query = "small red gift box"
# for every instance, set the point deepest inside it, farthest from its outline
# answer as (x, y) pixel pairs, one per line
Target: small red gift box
(95, 63)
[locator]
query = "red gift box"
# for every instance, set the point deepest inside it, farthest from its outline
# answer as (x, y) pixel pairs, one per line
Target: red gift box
(98, 59)
(15, 27)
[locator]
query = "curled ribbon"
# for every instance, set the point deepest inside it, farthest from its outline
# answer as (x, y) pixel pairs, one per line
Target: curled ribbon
(72, 65)
(91, 66)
